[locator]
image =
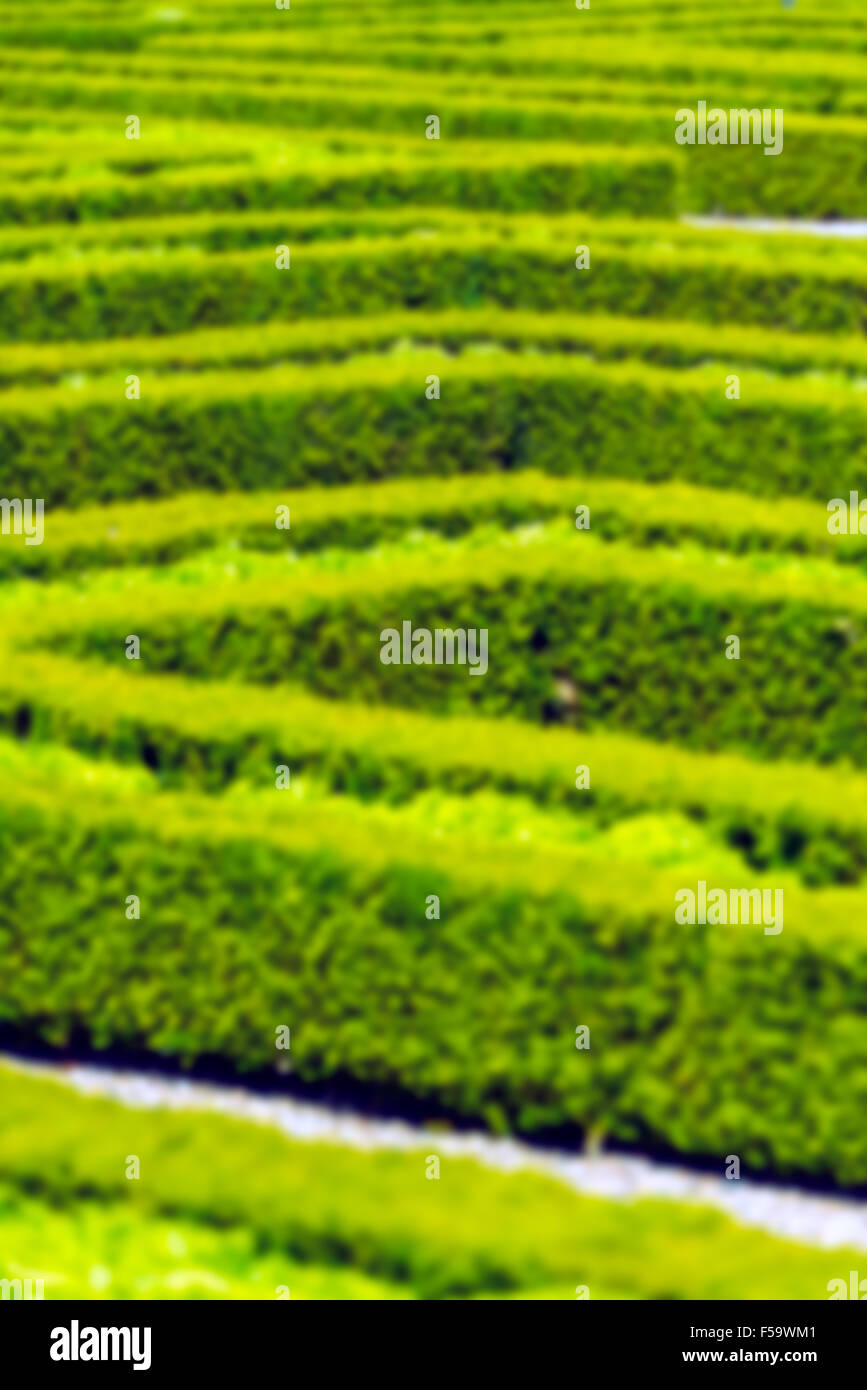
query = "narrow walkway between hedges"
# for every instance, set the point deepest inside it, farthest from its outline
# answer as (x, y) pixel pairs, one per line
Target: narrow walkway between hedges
(779, 1210)
(796, 226)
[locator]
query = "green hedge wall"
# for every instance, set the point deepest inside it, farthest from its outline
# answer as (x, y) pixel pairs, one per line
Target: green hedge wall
(537, 178)
(812, 819)
(566, 607)
(476, 1011)
(822, 174)
(251, 227)
(45, 300)
(358, 515)
(467, 330)
(478, 1233)
(367, 419)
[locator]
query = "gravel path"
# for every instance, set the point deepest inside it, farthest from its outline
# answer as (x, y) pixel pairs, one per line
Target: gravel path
(782, 1211)
(851, 230)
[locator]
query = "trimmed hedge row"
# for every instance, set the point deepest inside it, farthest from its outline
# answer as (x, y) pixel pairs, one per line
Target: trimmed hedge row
(817, 78)
(853, 103)
(736, 74)
(608, 338)
(161, 69)
(796, 73)
(685, 1035)
(259, 66)
(480, 1233)
(356, 109)
(89, 139)
(807, 818)
(823, 173)
(359, 515)
(121, 156)
(820, 173)
(171, 84)
(566, 608)
(261, 92)
(118, 29)
(368, 418)
(826, 34)
(125, 33)
(258, 227)
(125, 294)
(255, 73)
(153, 1256)
(537, 177)
(253, 227)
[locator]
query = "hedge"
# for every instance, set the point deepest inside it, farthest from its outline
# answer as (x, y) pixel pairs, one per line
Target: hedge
(133, 293)
(833, 33)
(822, 173)
(553, 177)
(463, 330)
(732, 74)
(101, 22)
(256, 227)
(368, 418)
(259, 65)
(354, 516)
(104, 154)
(159, 71)
(776, 814)
(797, 74)
(166, 83)
(125, 33)
(243, 78)
(854, 103)
(253, 227)
(566, 607)
(817, 78)
(86, 1249)
(475, 1233)
(690, 1048)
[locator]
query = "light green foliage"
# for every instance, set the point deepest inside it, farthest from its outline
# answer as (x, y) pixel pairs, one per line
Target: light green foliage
(371, 1218)
(301, 384)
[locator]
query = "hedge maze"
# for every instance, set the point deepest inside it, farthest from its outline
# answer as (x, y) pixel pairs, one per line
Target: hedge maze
(321, 319)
